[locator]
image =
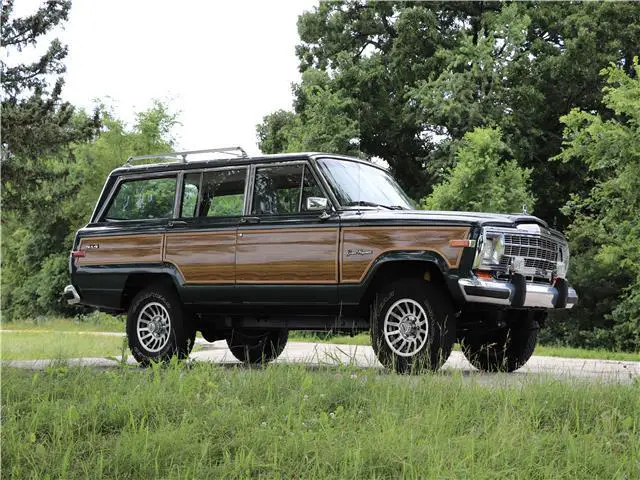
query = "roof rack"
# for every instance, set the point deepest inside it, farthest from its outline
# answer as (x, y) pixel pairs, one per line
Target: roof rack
(182, 156)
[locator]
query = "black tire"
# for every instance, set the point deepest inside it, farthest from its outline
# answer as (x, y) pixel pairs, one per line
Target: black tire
(180, 336)
(437, 339)
(257, 347)
(505, 349)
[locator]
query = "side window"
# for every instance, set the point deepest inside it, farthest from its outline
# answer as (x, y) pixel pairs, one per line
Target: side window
(283, 189)
(151, 198)
(190, 192)
(223, 193)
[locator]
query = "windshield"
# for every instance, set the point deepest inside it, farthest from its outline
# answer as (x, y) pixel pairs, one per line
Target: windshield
(355, 183)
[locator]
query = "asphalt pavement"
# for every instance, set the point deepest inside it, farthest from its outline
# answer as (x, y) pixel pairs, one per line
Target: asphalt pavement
(326, 354)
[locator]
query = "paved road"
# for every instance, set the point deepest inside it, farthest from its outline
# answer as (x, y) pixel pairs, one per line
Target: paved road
(362, 356)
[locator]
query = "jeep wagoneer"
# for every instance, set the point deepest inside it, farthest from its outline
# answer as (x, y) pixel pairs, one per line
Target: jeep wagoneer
(247, 248)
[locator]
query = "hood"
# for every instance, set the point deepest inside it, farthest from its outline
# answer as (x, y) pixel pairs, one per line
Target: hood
(439, 216)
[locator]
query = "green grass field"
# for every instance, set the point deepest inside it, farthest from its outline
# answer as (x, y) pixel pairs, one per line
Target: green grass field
(95, 322)
(37, 345)
(283, 421)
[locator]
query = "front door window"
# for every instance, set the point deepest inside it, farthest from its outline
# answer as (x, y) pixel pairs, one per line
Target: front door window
(283, 189)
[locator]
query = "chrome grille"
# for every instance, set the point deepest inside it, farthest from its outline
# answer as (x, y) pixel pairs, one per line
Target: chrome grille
(530, 246)
(540, 253)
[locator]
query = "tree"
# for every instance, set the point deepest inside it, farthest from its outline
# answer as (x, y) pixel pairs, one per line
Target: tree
(605, 233)
(418, 76)
(274, 133)
(484, 179)
(326, 122)
(36, 123)
(36, 243)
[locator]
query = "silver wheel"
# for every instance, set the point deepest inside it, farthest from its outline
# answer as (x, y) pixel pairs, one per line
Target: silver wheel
(406, 328)
(153, 327)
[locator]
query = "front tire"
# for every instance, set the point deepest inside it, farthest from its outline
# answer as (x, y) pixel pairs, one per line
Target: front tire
(257, 347)
(157, 328)
(505, 349)
(413, 326)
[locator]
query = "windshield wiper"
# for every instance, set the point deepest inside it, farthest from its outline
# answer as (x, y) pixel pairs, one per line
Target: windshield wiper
(364, 203)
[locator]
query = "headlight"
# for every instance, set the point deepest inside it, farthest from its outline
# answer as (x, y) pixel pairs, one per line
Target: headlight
(491, 251)
(563, 261)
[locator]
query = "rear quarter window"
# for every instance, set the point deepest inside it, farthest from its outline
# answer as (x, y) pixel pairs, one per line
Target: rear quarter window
(143, 199)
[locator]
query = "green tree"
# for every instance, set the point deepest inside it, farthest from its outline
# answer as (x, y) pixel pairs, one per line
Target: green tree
(326, 121)
(412, 73)
(36, 123)
(274, 133)
(484, 178)
(36, 243)
(605, 233)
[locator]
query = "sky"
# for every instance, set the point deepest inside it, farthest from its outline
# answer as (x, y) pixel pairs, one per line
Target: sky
(222, 66)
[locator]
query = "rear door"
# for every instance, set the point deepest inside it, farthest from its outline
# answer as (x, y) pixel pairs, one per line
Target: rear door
(201, 240)
(287, 253)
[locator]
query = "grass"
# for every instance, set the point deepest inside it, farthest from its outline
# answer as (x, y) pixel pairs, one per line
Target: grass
(543, 350)
(27, 345)
(284, 421)
(94, 322)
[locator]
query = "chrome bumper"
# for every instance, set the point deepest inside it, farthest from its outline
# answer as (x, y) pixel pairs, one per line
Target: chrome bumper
(509, 294)
(71, 295)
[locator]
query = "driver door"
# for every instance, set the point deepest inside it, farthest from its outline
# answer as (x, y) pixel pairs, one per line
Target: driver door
(287, 250)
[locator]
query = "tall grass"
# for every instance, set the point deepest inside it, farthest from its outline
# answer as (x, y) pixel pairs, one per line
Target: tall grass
(284, 421)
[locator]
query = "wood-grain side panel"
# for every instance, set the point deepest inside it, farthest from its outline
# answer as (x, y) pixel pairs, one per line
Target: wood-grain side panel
(288, 256)
(379, 240)
(121, 249)
(202, 257)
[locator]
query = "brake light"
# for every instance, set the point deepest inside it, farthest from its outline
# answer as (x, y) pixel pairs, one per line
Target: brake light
(78, 253)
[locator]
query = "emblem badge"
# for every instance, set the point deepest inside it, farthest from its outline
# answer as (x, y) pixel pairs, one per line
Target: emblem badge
(359, 251)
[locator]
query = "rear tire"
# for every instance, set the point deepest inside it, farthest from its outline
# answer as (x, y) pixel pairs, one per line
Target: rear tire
(257, 347)
(413, 326)
(505, 349)
(157, 327)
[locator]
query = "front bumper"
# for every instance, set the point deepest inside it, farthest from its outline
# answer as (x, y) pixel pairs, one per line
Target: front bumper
(518, 293)
(71, 295)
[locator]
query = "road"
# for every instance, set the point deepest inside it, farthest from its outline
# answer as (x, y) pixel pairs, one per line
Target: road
(362, 356)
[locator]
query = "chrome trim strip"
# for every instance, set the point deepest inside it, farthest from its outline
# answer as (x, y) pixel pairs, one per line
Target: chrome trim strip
(72, 290)
(536, 296)
(540, 296)
(488, 284)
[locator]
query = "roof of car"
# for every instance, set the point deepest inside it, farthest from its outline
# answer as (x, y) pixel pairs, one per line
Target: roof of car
(177, 164)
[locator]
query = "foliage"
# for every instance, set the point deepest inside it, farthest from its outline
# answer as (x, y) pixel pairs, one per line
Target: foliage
(36, 123)
(605, 233)
(410, 79)
(482, 179)
(327, 124)
(36, 243)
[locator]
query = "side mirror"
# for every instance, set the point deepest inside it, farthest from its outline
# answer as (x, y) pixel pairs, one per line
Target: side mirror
(316, 204)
